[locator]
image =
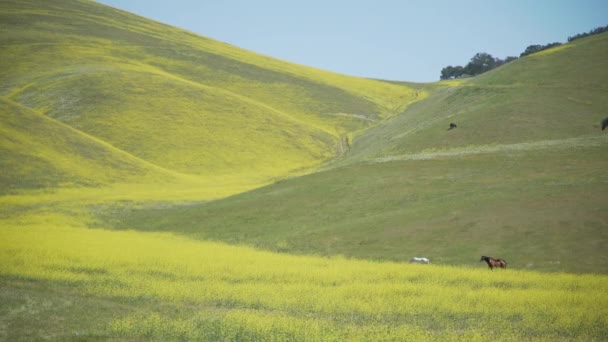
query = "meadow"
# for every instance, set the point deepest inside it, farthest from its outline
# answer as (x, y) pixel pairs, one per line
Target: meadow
(160, 185)
(541, 205)
(160, 286)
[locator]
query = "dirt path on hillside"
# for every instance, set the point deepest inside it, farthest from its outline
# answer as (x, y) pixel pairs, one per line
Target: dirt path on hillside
(584, 141)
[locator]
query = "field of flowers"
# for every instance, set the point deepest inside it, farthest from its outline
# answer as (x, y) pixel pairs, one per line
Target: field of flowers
(225, 292)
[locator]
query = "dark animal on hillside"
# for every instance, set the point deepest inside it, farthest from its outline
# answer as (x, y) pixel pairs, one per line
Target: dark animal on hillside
(502, 263)
(452, 126)
(604, 123)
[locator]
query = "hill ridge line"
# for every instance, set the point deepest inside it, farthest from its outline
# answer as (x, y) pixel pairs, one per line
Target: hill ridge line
(583, 141)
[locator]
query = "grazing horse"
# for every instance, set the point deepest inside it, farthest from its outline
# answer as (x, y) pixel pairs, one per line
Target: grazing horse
(604, 123)
(452, 126)
(502, 263)
(420, 260)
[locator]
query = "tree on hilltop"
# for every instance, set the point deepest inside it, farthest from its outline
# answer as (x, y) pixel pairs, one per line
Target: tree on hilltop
(451, 72)
(536, 48)
(480, 63)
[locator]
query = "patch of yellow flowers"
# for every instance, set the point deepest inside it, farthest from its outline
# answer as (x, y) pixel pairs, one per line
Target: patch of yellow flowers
(243, 293)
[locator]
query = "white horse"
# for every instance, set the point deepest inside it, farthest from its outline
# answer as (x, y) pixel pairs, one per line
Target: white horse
(420, 260)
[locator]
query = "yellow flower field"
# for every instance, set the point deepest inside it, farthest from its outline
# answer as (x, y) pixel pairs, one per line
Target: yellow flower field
(236, 293)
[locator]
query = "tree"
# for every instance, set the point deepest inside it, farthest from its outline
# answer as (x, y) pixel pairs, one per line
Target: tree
(536, 48)
(483, 62)
(480, 63)
(596, 30)
(531, 49)
(447, 73)
(458, 71)
(450, 72)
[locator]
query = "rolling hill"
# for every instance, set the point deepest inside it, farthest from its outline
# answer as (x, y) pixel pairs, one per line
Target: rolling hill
(101, 105)
(523, 175)
(176, 100)
(159, 185)
(552, 95)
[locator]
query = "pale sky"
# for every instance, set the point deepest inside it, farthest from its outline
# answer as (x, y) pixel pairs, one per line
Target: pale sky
(388, 39)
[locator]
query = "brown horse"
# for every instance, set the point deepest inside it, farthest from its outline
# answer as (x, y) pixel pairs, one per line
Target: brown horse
(502, 263)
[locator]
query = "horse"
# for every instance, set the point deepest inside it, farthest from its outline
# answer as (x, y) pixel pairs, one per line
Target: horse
(420, 260)
(502, 263)
(452, 126)
(604, 123)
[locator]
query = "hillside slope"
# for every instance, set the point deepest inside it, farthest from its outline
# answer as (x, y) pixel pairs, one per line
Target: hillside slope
(135, 110)
(555, 94)
(180, 101)
(522, 177)
(39, 152)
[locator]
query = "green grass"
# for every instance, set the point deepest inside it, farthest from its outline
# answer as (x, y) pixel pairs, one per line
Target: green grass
(165, 287)
(159, 185)
(522, 176)
(541, 208)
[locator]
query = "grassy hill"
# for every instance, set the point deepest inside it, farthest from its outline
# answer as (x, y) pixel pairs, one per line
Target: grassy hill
(148, 112)
(177, 100)
(552, 95)
(523, 175)
(159, 185)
